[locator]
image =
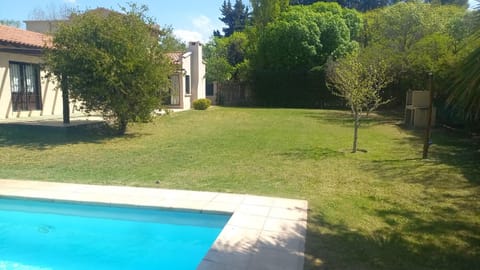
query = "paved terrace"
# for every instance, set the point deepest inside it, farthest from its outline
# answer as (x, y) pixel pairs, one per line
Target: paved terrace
(54, 121)
(263, 232)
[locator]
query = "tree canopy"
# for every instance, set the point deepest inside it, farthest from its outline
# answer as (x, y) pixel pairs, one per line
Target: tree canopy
(289, 41)
(112, 62)
(365, 5)
(359, 80)
(236, 17)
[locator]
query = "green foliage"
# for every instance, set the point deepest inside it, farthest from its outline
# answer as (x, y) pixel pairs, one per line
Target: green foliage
(290, 43)
(365, 5)
(236, 17)
(433, 53)
(225, 58)
(465, 97)
(113, 63)
(359, 80)
(416, 39)
(202, 104)
(265, 11)
(304, 37)
(362, 5)
(169, 42)
(289, 48)
(380, 210)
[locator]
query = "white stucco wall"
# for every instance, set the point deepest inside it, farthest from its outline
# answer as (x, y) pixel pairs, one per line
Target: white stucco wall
(186, 70)
(198, 70)
(51, 96)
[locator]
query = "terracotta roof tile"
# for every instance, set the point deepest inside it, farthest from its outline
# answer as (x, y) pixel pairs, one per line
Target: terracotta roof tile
(175, 57)
(21, 37)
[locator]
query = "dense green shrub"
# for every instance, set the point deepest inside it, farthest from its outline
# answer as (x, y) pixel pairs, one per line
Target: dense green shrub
(201, 104)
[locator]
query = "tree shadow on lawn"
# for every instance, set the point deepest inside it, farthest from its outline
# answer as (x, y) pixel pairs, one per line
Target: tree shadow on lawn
(437, 227)
(44, 137)
(315, 153)
(336, 246)
(457, 151)
(345, 118)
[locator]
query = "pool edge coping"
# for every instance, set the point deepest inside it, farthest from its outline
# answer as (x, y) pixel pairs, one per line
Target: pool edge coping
(263, 232)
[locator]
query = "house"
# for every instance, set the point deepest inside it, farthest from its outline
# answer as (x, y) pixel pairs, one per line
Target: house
(188, 82)
(24, 89)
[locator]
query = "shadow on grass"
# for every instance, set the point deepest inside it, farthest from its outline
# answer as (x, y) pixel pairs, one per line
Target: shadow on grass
(336, 246)
(316, 153)
(345, 118)
(438, 228)
(43, 137)
(458, 151)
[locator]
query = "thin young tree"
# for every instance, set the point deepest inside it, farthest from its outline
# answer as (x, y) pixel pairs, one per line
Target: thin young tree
(359, 80)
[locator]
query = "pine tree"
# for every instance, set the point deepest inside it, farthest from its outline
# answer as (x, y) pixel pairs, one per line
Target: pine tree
(236, 17)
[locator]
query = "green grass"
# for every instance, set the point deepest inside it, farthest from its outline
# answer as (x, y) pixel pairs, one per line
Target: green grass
(383, 209)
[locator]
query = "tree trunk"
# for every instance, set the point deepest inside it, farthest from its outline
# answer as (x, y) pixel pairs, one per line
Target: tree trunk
(356, 117)
(66, 100)
(122, 125)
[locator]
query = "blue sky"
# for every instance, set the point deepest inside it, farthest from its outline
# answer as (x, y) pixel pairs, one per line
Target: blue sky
(191, 19)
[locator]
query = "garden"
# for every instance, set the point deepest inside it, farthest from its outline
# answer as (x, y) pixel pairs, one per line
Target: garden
(381, 208)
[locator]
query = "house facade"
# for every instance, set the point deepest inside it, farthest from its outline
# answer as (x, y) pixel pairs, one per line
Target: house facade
(24, 89)
(188, 82)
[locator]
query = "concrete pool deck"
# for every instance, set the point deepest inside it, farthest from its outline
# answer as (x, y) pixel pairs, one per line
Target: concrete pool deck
(263, 232)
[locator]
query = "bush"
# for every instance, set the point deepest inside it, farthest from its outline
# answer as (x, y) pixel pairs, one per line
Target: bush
(201, 104)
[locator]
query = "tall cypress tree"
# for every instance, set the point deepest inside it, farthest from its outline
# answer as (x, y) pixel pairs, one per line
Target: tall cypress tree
(236, 17)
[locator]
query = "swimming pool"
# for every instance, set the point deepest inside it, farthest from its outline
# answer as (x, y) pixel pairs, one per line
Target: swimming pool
(40, 234)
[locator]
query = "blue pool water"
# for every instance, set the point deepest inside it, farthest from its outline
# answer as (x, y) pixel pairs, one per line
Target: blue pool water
(36, 234)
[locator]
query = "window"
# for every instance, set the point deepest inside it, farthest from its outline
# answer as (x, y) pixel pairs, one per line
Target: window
(174, 90)
(187, 84)
(25, 86)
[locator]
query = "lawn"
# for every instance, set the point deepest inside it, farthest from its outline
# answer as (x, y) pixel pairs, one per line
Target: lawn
(381, 209)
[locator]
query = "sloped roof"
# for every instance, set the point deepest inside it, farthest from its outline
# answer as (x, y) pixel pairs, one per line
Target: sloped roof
(175, 57)
(20, 37)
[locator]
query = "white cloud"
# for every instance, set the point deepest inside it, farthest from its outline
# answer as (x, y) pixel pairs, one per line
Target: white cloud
(187, 35)
(201, 30)
(202, 22)
(70, 1)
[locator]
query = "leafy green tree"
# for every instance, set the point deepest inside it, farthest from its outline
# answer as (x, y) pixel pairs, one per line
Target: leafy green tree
(169, 42)
(290, 43)
(433, 54)
(226, 58)
(265, 11)
(365, 5)
(359, 80)
(304, 37)
(361, 5)
(291, 50)
(236, 17)
(465, 97)
(415, 39)
(111, 62)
